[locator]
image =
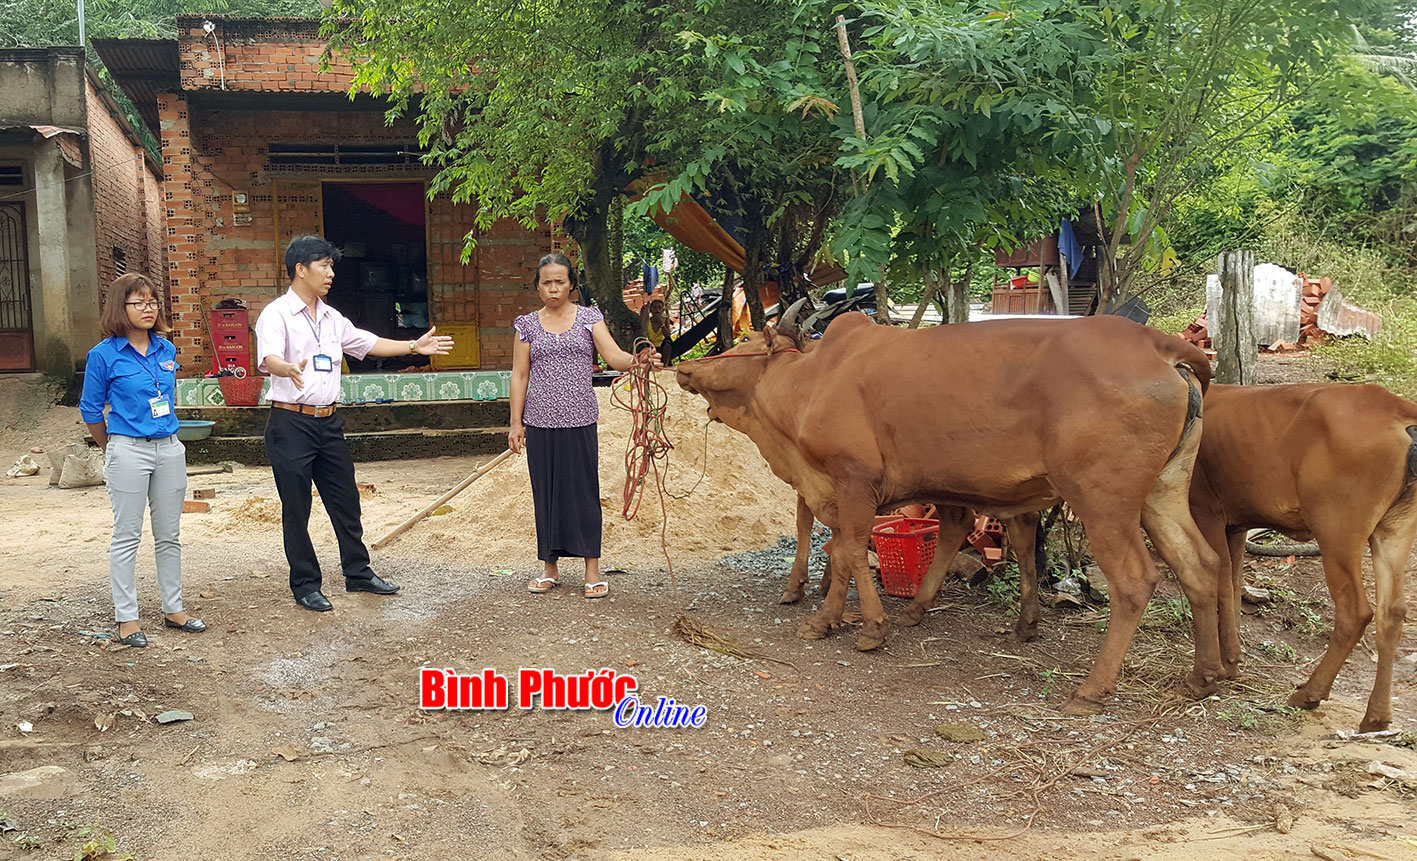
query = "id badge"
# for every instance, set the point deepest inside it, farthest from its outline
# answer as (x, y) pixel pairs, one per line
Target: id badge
(160, 406)
(324, 363)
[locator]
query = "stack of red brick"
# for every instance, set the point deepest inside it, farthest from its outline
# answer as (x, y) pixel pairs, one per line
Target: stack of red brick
(1311, 295)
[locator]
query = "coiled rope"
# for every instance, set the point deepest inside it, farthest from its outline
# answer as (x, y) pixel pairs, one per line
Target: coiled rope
(647, 446)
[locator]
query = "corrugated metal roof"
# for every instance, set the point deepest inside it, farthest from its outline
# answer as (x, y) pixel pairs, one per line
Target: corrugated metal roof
(143, 68)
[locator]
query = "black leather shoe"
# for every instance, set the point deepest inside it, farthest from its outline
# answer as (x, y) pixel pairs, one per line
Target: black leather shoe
(137, 640)
(315, 601)
(191, 626)
(376, 584)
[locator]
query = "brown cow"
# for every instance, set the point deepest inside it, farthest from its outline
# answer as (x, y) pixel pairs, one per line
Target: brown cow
(1008, 417)
(1333, 462)
(1336, 463)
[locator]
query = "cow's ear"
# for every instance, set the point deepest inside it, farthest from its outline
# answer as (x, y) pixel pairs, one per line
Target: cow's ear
(770, 336)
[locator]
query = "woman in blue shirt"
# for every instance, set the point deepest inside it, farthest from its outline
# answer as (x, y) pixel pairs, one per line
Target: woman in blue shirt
(134, 372)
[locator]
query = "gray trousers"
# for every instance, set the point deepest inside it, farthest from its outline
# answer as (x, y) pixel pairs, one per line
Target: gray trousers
(143, 474)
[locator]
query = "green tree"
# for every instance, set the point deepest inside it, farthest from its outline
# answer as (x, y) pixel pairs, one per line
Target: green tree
(551, 110)
(1182, 84)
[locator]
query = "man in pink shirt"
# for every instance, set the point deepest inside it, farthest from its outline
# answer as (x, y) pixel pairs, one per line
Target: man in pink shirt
(301, 340)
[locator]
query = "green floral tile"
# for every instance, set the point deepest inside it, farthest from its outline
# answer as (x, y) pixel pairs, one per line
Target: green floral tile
(401, 388)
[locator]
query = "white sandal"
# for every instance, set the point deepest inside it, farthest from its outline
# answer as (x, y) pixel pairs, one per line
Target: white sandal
(590, 588)
(542, 584)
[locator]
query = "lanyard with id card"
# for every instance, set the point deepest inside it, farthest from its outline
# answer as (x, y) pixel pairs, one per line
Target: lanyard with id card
(320, 361)
(161, 406)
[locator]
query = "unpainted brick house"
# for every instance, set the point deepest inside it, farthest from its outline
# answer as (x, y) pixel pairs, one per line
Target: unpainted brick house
(80, 204)
(259, 146)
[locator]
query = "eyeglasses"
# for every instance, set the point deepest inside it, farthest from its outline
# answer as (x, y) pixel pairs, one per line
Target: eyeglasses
(151, 305)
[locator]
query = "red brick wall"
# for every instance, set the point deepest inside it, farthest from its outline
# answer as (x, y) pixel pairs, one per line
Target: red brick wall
(125, 192)
(209, 155)
(262, 55)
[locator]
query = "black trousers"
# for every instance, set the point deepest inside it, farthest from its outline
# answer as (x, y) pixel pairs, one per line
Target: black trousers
(303, 449)
(565, 491)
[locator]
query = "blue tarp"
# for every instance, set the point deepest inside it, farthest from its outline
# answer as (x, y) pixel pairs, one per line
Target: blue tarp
(1068, 246)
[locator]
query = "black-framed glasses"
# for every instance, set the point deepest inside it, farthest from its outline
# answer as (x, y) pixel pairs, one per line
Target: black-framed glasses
(150, 305)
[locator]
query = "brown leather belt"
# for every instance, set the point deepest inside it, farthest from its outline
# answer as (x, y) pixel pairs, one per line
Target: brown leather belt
(306, 409)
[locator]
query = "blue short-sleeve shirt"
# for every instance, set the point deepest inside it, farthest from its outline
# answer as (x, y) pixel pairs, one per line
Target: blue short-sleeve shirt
(118, 375)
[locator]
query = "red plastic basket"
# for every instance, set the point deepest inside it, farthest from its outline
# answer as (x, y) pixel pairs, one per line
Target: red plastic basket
(905, 547)
(241, 391)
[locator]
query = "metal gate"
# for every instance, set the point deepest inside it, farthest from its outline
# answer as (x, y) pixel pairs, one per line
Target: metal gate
(16, 334)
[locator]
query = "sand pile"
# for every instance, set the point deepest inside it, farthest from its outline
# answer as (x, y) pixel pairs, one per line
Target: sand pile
(253, 512)
(738, 505)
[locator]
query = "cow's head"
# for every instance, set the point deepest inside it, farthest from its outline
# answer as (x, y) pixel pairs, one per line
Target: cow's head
(729, 380)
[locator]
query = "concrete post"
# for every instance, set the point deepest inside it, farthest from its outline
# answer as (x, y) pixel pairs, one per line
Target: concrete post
(52, 311)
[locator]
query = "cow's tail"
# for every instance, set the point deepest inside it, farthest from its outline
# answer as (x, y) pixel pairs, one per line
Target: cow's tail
(1194, 367)
(1184, 354)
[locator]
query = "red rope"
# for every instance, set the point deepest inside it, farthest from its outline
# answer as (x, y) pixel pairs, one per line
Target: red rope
(640, 394)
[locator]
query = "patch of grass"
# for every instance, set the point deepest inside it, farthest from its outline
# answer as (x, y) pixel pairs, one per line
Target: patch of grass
(99, 845)
(1003, 586)
(1388, 358)
(1050, 678)
(1278, 652)
(1249, 716)
(1313, 624)
(1172, 614)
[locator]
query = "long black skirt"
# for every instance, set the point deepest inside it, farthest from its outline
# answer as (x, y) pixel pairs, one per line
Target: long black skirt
(565, 491)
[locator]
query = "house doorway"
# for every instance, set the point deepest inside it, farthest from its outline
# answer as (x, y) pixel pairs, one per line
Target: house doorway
(16, 325)
(381, 281)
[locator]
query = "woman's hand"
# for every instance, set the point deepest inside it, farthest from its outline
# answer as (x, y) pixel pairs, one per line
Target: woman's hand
(516, 438)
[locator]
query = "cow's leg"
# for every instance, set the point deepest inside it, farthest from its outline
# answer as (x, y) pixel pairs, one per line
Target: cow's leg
(1166, 516)
(1391, 544)
(955, 524)
(1118, 548)
(825, 583)
(848, 542)
(848, 559)
(805, 520)
(1212, 526)
(1228, 590)
(1343, 569)
(1023, 535)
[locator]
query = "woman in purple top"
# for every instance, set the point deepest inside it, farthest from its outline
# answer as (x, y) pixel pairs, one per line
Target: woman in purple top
(554, 412)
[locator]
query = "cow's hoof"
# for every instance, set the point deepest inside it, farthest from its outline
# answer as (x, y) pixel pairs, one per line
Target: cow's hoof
(791, 596)
(1374, 724)
(1229, 670)
(1300, 699)
(872, 635)
(911, 617)
(1026, 632)
(869, 644)
(811, 631)
(1196, 686)
(1081, 706)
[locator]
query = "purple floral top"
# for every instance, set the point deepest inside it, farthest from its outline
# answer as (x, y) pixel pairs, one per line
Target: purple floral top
(559, 393)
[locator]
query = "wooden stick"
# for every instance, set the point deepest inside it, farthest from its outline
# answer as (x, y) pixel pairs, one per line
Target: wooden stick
(462, 485)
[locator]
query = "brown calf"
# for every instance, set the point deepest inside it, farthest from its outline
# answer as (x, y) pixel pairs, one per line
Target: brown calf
(1332, 462)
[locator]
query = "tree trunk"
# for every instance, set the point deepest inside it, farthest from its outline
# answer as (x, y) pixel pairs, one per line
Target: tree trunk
(755, 248)
(932, 286)
(725, 314)
(883, 300)
(957, 296)
(592, 235)
(1234, 331)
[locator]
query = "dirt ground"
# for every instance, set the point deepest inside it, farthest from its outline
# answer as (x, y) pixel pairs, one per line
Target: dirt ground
(307, 740)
